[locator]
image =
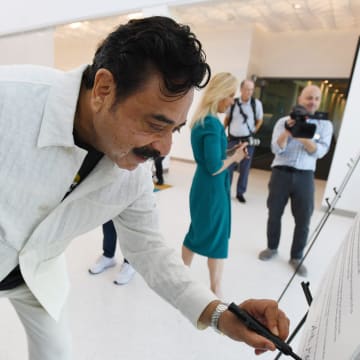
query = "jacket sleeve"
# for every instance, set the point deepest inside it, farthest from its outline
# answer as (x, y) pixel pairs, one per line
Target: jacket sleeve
(160, 266)
(211, 142)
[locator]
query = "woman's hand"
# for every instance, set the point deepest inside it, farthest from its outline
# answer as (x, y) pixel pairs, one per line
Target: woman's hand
(240, 152)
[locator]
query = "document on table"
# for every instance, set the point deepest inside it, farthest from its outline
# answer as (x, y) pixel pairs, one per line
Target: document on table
(331, 331)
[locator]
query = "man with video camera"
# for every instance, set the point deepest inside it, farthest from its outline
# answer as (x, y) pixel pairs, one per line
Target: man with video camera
(298, 141)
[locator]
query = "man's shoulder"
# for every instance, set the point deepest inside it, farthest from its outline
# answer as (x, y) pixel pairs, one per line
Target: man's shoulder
(36, 74)
(326, 125)
(256, 101)
(211, 121)
(27, 73)
(236, 102)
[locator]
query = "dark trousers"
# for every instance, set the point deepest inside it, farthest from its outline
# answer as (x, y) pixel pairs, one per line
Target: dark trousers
(109, 240)
(244, 168)
(159, 169)
(299, 187)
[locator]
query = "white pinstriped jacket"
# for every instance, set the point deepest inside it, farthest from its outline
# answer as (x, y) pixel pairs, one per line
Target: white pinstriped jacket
(38, 162)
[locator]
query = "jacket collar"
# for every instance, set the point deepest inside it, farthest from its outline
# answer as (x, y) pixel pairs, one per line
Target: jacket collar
(59, 112)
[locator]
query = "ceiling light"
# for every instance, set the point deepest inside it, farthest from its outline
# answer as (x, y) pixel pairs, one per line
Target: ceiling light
(297, 6)
(135, 15)
(75, 25)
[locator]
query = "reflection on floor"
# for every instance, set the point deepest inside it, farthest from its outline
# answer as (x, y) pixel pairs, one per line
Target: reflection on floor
(131, 322)
(161, 187)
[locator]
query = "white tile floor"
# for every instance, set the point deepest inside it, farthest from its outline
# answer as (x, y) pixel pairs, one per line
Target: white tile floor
(131, 322)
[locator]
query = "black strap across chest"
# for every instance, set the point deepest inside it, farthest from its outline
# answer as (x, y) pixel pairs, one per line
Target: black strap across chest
(245, 116)
(15, 278)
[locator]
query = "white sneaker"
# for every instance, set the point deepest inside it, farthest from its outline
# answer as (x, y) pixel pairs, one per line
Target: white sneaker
(125, 274)
(102, 264)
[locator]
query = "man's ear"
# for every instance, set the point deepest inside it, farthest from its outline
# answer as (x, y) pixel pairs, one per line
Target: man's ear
(104, 89)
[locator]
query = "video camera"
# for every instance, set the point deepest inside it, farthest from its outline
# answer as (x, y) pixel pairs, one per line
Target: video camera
(302, 129)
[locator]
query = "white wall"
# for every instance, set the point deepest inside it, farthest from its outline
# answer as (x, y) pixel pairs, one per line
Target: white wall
(316, 54)
(32, 48)
(348, 146)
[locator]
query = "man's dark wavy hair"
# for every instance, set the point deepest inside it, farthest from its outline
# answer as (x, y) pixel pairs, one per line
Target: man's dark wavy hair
(134, 51)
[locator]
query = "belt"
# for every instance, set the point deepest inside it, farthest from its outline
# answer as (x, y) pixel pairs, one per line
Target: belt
(238, 138)
(289, 169)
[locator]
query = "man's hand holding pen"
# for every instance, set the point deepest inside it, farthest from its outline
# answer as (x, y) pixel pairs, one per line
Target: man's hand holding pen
(265, 312)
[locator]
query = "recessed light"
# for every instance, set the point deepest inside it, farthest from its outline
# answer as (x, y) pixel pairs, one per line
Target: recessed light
(135, 15)
(75, 25)
(297, 6)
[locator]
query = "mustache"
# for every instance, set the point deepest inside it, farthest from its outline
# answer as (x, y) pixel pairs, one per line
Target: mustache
(146, 152)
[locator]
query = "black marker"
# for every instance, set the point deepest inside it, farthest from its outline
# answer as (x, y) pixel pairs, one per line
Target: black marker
(260, 329)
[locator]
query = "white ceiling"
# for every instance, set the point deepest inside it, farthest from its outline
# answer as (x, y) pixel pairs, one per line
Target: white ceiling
(269, 15)
(277, 15)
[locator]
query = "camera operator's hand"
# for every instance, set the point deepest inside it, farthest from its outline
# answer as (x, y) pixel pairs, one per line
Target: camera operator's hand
(309, 145)
(284, 135)
(290, 123)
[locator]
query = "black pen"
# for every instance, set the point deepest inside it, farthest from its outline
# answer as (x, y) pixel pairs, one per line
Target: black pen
(260, 329)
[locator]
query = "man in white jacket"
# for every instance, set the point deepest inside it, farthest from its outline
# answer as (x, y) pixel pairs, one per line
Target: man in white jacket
(72, 149)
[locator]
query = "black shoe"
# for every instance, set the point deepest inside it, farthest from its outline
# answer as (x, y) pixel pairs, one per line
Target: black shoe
(160, 182)
(241, 198)
(267, 254)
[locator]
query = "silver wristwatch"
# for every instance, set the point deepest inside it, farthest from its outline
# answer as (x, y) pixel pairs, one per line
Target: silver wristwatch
(214, 322)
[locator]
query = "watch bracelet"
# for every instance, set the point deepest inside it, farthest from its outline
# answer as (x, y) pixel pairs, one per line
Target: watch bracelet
(215, 316)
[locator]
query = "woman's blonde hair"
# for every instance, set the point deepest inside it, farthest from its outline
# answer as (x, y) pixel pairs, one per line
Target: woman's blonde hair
(220, 86)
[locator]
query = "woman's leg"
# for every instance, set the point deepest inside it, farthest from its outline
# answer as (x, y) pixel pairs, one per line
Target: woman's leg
(216, 267)
(187, 255)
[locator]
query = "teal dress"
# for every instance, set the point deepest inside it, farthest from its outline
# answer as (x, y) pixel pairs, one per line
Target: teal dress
(210, 210)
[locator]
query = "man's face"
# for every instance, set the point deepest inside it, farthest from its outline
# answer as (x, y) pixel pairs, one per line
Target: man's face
(247, 90)
(310, 98)
(139, 127)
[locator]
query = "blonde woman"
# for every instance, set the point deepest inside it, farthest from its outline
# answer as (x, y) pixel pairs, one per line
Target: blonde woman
(210, 211)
